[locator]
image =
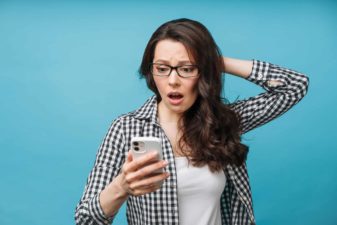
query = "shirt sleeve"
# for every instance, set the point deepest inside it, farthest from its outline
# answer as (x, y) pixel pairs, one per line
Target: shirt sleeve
(284, 88)
(109, 160)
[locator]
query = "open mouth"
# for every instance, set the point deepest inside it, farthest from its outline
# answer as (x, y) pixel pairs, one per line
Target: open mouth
(175, 96)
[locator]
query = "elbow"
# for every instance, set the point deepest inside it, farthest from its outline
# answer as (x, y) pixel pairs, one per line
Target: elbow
(298, 88)
(81, 216)
(78, 217)
(305, 85)
(301, 86)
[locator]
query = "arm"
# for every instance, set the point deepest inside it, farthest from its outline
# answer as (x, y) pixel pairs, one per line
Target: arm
(238, 67)
(136, 178)
(284, 88)
(109, 159)
(112, 180)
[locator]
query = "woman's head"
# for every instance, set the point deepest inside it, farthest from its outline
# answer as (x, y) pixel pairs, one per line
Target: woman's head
(210, 128)
(175, 76)
(202, 51)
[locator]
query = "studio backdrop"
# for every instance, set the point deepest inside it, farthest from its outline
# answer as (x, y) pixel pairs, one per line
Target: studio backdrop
(68, 68)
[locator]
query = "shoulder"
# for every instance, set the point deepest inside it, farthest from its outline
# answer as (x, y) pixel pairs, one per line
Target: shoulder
(124, 120)
(145, 112)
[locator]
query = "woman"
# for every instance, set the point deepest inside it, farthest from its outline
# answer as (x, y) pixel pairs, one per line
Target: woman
(205, 179)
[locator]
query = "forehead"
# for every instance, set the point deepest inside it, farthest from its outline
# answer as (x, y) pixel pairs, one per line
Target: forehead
(172, 51)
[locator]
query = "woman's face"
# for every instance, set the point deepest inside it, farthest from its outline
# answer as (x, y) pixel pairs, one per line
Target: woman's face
(177, 93)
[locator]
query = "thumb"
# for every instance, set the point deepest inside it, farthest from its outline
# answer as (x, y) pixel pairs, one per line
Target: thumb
(129, 157)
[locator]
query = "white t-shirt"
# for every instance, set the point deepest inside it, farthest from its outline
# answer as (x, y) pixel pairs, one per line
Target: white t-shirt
(199, 192)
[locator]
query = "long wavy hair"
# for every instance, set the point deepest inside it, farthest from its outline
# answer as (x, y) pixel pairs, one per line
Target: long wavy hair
(210, 128)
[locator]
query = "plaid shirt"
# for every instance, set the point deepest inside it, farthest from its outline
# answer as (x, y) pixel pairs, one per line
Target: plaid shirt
(284, 88)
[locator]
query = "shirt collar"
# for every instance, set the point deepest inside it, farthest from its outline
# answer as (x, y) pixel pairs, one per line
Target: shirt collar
(148, 111)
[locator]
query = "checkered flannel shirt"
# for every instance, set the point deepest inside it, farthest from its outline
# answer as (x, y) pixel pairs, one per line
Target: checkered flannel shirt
(284, 88)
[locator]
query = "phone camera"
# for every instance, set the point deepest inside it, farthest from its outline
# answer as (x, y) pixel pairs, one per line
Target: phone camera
(136, 148)
(136, 143)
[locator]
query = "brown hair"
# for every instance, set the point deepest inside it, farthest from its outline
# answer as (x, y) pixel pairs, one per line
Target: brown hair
(210, 127)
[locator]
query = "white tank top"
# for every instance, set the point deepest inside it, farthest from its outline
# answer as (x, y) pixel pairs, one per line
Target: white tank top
(199, 192)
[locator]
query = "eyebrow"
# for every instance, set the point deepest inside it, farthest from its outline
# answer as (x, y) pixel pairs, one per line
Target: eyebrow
(168, 63)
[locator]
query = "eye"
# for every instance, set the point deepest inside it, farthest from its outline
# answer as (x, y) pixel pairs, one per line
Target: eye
(161, 68)
(187, 69)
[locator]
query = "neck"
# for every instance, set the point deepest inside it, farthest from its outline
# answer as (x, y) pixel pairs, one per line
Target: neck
(165, 116)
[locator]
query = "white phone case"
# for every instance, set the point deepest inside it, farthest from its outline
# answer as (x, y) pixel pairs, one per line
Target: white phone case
(143, 145)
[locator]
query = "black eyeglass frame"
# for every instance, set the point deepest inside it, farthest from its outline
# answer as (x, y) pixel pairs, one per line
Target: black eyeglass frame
(173, 68)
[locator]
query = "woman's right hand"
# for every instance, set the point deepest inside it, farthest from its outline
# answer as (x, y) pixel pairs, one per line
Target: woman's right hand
(140, 176)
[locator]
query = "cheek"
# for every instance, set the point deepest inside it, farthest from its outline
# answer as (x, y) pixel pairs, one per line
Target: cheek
(159, 85)
(194, 88)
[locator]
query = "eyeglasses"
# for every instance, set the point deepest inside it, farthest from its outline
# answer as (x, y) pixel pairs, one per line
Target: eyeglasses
(184, 71)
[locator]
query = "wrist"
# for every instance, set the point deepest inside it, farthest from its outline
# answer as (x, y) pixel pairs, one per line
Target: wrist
(238, 67)
(112, 197)
(224, 59)
(118, 188)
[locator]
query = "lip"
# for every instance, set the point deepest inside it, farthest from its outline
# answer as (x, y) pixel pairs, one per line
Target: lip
(175, 101)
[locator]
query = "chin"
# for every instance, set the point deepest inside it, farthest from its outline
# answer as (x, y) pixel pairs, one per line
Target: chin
(179, 109)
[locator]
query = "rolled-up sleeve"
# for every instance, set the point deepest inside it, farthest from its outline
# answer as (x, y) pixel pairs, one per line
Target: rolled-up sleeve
(284, 88)
(109, 160)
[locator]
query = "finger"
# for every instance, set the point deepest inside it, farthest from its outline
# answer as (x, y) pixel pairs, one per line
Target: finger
(150, 181)
(127, 162)
(146, 171)
(141, 191)
(142, 161)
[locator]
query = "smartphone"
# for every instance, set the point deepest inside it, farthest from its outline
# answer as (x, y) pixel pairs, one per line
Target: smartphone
(143, 145)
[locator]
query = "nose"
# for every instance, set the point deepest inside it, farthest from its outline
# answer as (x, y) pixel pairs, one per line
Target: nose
(173, 79)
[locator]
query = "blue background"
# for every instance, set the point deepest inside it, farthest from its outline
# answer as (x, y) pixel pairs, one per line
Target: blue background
(68, 68)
